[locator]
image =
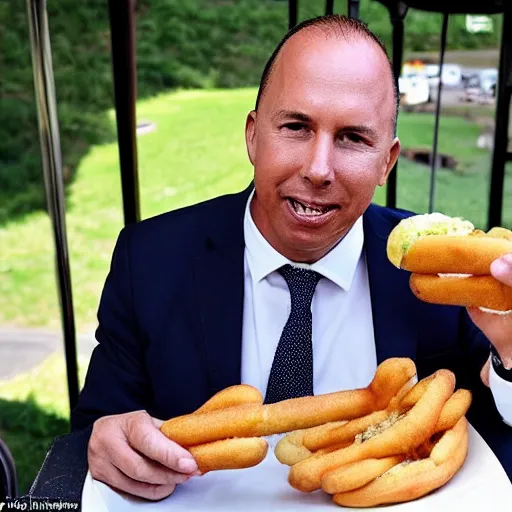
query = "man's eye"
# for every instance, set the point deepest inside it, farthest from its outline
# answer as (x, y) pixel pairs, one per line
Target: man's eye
(352, 138)
(294, 127)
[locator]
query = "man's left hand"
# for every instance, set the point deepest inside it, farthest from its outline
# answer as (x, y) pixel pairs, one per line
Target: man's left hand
(498, 328)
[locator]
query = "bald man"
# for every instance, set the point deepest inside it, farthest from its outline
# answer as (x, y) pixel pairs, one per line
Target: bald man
(284, 286)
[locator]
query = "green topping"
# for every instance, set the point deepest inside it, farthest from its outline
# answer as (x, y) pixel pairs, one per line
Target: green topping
(419, 226)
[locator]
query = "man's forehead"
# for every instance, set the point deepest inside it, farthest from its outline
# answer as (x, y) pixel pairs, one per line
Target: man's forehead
(314, 68)
(332, 57)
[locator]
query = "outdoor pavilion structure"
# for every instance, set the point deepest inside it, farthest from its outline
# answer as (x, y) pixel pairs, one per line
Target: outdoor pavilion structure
(65, 467)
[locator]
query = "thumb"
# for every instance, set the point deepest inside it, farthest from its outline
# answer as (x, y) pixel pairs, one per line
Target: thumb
(501, 269)
(158, 423)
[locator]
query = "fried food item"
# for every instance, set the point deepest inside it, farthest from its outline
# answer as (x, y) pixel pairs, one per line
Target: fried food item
(292, 449)
(300, 444)
(398, 434)
(256, 420)
(401, 453)
(413, 441)
(232, 396)
(357, 474)
(409, 479)
(450, 261)
(435, 243)
(229, 454)
(474, 292)
(498, 232)
(454, 254)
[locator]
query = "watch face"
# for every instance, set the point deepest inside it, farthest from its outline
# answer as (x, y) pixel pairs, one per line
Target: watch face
(496, 361)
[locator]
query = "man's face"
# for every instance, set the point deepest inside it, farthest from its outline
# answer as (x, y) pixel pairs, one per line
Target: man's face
(320, 142)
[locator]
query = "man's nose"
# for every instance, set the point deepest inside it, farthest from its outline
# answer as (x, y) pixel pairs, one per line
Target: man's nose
(317, 167)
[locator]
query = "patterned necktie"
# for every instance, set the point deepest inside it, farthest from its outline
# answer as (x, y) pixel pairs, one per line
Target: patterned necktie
(291, 374)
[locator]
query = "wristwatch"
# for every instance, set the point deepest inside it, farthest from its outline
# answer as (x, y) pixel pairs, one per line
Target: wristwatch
(497, 364)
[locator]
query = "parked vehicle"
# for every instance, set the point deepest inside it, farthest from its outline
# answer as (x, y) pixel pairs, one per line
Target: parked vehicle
(414, 89)
(451, 75)
(488, 81)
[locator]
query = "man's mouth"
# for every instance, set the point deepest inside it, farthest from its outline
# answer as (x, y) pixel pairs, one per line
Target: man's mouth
(309, 210)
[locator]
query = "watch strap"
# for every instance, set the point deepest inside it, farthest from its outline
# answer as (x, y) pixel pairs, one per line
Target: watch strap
(497, 364)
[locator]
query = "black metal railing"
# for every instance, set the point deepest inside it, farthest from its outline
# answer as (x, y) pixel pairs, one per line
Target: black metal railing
(398, 11)
(53, 178)
(124, 77)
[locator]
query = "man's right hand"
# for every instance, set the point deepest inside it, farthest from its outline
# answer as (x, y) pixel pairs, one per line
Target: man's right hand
(129, 453)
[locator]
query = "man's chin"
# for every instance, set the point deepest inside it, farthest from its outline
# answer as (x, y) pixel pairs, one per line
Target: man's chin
(305, 247)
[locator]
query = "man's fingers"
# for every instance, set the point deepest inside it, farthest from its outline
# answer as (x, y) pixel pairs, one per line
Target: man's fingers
(141, 469)
(501, 269)
(119, 481)
(158, 423)
(146, 438)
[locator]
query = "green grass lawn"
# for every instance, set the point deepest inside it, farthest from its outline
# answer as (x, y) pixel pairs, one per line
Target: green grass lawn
(33, 411)
(196, 152)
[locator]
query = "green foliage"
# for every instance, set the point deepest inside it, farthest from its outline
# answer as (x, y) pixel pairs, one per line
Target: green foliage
(180, 44)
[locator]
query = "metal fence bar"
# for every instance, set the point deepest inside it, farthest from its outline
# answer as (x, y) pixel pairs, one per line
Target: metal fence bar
(397, 15)
(329, 6)
(44, 87)
(122, 30)
(500, 154)
(353, 9)
(433, 161)
(292, 13)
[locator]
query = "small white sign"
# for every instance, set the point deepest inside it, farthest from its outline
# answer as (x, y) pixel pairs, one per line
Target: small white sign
(475, 24)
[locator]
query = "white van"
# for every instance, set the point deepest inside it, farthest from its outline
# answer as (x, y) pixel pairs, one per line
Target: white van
(452, 75)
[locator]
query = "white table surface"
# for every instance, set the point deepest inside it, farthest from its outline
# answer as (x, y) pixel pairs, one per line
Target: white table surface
(481, 484)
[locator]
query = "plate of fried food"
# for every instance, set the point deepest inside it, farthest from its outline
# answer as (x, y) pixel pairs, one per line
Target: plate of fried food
(398, 442)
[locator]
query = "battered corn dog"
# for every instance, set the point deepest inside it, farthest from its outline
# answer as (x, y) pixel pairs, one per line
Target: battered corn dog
(255, 420)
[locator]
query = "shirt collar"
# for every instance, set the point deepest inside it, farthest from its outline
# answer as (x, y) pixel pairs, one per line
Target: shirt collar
(338, 265)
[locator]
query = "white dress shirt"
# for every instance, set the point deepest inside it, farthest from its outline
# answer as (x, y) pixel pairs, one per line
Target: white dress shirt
(342, 316)
(344, 354)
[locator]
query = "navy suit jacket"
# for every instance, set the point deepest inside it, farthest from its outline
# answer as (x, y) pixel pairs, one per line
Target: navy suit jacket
(170, 319)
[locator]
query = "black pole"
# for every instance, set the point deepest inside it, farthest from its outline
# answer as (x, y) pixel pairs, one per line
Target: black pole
(292, 13)
(329, 6)
(44, 86)
(433, 162)
(504, 93)
(353, 9)
(122, 30)
(397, 16)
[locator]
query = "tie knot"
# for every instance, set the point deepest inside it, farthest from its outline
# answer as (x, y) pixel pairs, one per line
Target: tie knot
(301, 282)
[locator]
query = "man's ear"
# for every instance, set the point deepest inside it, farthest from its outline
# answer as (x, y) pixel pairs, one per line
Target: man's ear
(394, 153)
(250, 135)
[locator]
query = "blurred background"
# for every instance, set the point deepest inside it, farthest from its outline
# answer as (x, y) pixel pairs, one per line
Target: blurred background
(198, 65)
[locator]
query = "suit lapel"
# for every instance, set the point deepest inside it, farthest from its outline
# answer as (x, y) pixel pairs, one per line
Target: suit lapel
(219, 273)
(393, 315)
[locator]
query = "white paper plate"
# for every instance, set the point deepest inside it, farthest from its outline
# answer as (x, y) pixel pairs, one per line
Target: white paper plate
(481, 484)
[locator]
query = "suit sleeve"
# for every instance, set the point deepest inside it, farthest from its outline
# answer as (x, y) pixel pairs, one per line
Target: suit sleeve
(117, 380)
